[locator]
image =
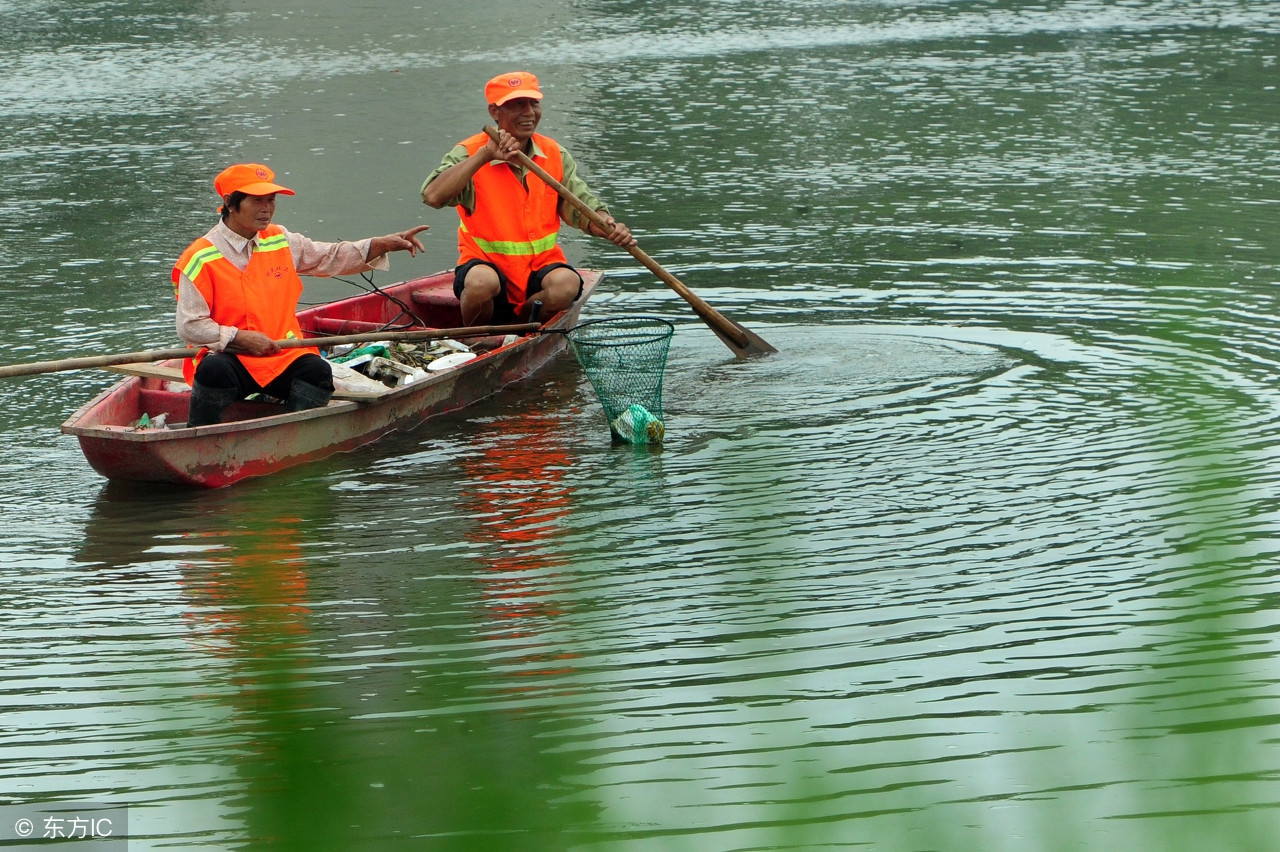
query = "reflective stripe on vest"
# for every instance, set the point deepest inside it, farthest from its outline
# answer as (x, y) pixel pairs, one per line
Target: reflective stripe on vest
(272, 243)
(196, 264)
(547, 243)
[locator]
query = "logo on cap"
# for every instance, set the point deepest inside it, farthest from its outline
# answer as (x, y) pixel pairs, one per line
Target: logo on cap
(262, 174)
(512, 84)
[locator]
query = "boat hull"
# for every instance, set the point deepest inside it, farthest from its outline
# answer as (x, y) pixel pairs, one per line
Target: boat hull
(258, 439)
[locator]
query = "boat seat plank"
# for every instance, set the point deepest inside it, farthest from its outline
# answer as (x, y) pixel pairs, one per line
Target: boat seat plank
(150, 371)
(435, 297)
(436, 306)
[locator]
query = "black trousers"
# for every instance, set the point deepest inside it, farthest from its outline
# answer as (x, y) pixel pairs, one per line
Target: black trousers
(220, 370)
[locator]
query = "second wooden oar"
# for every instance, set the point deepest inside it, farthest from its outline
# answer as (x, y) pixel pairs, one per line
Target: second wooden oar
(741, 340)
(95, 361)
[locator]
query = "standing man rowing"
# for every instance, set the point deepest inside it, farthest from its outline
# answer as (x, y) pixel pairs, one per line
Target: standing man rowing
(509, 221)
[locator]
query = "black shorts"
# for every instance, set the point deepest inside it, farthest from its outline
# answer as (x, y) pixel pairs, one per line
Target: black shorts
(502, 310)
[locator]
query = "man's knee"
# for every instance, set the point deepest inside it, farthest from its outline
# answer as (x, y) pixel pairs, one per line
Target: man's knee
(560, 286)
(481, 282)
(313, 370)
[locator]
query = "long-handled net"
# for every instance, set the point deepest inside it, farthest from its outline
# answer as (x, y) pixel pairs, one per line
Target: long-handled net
(624, 359)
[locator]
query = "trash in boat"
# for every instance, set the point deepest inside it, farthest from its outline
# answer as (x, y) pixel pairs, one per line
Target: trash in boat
(347, 379)
(448, 362)
(396, 364)
(393, 374)
(356, 357)
(146, 421)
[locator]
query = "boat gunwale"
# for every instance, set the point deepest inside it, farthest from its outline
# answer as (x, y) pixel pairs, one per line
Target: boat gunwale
(335, 408)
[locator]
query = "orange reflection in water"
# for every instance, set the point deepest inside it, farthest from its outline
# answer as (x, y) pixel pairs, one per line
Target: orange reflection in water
(248, 598)
(516, 492)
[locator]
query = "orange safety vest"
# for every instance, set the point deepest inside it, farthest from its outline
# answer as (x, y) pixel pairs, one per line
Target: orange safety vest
(512, 227)
(262, 298)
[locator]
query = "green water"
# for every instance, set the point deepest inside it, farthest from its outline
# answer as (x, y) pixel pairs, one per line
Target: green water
(984, 558)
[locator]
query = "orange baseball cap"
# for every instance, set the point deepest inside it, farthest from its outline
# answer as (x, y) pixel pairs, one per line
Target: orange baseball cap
(249, 178)
(513, 84)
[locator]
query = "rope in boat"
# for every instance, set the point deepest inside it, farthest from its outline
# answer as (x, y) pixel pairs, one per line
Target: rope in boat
(390, 325)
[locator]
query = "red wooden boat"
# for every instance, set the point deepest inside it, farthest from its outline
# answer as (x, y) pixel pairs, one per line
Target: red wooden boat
(259, 438)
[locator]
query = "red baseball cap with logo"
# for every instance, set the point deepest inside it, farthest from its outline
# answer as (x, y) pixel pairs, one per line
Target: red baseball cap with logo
(513, 84)
(249, 178)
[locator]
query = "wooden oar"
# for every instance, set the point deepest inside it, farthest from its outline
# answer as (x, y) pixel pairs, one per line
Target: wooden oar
(741, 340)
(95, 361)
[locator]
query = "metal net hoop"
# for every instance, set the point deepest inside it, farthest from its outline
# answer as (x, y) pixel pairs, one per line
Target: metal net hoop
(624, 358)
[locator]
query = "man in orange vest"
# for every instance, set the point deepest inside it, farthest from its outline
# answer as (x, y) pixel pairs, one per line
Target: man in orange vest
(238, 289)
(508, 256)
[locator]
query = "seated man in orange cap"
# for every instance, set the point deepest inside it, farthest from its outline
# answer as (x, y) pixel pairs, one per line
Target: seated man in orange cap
(509, 219)
(238, 290)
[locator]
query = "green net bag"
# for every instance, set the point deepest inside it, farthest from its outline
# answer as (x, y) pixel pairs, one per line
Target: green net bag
(624, 359)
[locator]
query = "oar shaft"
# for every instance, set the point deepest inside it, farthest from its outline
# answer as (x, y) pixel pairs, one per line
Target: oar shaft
(94, 361)
(722, 324)
(411, 335)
